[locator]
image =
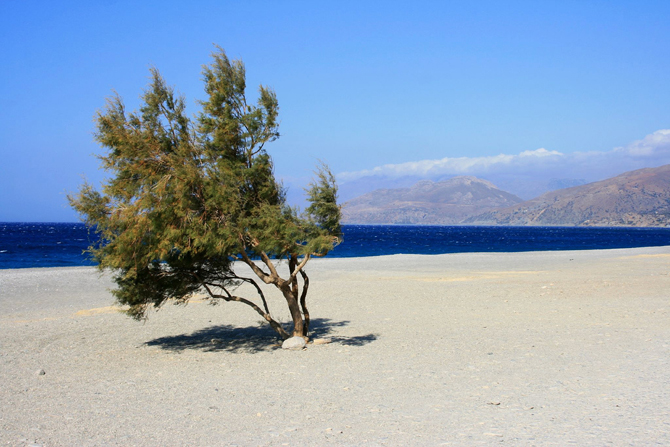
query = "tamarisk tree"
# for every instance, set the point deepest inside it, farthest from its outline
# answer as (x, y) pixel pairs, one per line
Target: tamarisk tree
(187, 198)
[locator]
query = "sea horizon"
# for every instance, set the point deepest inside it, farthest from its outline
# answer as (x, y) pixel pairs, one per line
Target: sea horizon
(62, 244)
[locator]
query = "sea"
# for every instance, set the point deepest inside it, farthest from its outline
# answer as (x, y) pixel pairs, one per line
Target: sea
(29, 245)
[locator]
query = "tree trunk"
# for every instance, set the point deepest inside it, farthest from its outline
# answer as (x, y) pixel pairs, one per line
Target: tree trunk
(294, 308)
(303, 302)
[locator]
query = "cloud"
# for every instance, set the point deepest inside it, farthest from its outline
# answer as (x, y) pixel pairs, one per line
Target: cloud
(653, 145)
(452, 166)
(527, 174)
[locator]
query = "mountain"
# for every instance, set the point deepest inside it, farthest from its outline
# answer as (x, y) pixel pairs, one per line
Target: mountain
(446, 202)
(635, 198)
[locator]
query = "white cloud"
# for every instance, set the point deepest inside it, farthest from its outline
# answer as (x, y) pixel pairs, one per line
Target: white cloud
(527, 173)
(454, 166)
(541, 152)
(655, 144)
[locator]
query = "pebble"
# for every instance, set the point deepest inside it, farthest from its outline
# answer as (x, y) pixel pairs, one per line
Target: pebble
(41, 372)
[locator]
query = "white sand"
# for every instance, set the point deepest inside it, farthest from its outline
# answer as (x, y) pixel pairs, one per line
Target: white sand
(551, 348)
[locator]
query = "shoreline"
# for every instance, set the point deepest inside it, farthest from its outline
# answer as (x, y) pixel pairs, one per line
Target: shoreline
(531, 348)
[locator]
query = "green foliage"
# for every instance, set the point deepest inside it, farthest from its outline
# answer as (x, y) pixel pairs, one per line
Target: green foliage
(323, 212)
(187, 196)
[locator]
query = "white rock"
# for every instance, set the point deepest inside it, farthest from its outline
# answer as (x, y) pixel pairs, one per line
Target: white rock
(294, 343)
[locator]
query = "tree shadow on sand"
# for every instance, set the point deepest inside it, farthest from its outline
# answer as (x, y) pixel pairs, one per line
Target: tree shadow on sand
(252, 338)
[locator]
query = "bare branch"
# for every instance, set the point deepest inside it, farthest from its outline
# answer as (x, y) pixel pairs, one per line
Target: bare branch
(258, 289)
(300, 267)
(229, 297)
(267, 279)
(267, 261)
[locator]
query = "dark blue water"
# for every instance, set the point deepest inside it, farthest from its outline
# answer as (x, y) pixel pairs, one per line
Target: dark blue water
(360, 240)
(24, 245)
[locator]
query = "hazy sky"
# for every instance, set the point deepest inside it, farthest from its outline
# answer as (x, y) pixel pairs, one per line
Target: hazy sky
(380, 90)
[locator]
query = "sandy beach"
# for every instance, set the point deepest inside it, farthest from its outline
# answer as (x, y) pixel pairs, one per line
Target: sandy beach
(543, 348)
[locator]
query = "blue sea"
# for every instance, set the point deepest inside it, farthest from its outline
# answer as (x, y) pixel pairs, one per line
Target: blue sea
(24, 245)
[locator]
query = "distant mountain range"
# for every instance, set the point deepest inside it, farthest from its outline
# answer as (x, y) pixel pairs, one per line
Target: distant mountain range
(635, 198)
(428, 203)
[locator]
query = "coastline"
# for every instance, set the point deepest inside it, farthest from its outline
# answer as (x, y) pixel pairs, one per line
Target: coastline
(542, 348)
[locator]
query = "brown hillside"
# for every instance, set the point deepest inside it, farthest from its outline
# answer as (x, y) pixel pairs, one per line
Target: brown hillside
(635, 198)
(428, 203)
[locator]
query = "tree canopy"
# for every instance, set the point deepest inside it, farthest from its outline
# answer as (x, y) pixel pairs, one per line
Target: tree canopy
(187, 198)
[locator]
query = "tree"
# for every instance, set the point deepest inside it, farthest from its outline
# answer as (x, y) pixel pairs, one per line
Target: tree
(189, 198)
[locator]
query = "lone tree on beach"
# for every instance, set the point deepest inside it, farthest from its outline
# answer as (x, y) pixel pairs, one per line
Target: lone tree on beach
(187, 198)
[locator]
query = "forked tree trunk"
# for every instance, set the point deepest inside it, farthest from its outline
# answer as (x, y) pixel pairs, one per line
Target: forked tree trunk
(294, 308)
(289, 288)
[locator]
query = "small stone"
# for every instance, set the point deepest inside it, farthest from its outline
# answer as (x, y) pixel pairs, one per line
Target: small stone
(322, 341)
(41, 372)
(294, 343)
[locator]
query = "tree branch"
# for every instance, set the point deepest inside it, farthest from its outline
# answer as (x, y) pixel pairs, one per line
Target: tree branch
(247, 280)
(300, 267)
(267, 279)
(258, 289)
(267, 261)
(229, 297)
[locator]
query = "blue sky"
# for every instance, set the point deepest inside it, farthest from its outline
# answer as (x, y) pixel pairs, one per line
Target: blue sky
(516, 92)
